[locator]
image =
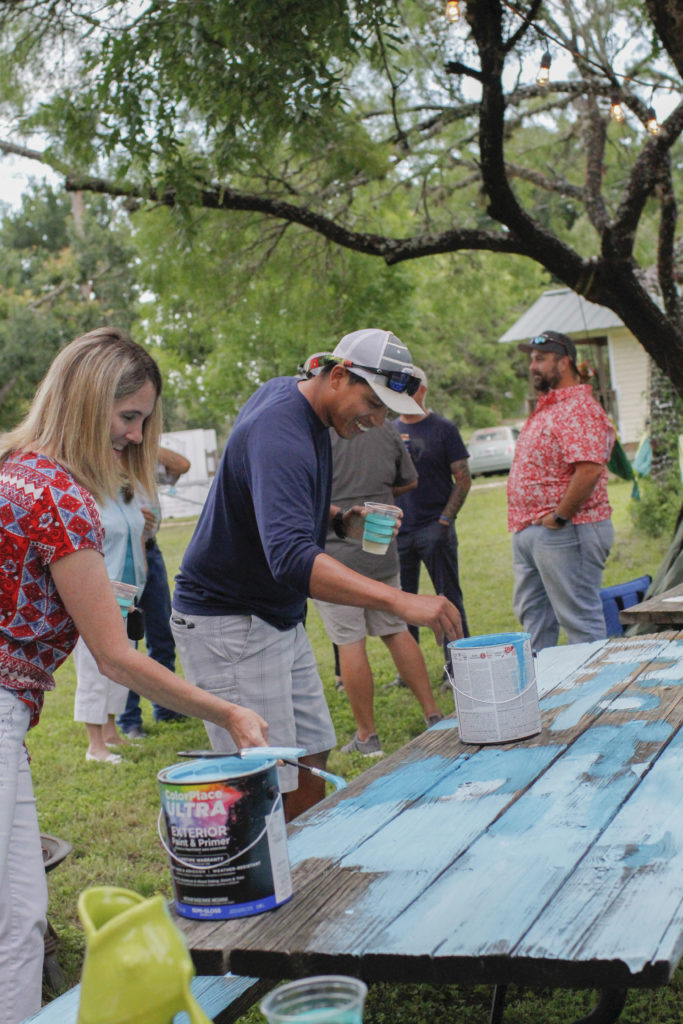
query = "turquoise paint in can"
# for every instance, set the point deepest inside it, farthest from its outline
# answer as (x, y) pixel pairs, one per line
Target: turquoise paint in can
(222, 824)
(494, 686)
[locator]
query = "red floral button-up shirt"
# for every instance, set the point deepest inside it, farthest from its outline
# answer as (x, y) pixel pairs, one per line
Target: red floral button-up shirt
(567, 426)
(44, 515)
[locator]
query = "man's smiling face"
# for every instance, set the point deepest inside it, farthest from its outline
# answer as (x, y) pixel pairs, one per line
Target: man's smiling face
(353, 407)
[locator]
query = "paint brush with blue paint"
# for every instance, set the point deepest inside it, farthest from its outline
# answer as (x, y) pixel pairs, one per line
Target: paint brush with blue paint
(288, 755)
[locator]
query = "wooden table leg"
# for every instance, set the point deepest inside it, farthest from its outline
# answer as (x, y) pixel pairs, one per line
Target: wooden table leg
(608, 1007)
(498, 1004)
(53, 976)
(607, 1010)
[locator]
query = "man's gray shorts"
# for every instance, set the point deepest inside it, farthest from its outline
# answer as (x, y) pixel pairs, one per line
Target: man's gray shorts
(245, 660)
(346, 625)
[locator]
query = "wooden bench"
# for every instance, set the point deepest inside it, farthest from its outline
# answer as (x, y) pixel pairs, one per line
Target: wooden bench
(223, 999)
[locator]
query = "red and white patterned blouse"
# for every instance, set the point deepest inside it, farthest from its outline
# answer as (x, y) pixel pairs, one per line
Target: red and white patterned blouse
(566, 427)
(44, 515)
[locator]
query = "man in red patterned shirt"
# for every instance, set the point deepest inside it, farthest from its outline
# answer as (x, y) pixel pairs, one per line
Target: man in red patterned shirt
(558, 510)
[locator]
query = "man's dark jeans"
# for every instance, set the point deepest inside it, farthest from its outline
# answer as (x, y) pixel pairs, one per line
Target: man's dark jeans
(437, 546)
(156, 604)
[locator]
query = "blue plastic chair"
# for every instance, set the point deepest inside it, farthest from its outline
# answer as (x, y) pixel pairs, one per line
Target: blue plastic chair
(620, 596)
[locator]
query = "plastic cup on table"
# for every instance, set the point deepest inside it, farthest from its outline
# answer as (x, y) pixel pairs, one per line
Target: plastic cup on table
(378, 527)
(326, 999)
(124, 592)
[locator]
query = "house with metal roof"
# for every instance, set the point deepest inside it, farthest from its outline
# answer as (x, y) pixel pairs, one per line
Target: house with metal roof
(615, 361)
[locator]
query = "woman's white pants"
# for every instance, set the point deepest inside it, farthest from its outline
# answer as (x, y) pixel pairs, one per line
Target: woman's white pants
(23, 886)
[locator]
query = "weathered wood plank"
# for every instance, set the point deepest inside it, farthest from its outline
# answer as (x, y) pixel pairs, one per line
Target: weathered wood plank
(554, 664)
(630, 885)
(222, 999)
(664, 609)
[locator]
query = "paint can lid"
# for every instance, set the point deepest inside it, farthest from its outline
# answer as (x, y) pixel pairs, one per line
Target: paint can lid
(213, 769)
(490, 640)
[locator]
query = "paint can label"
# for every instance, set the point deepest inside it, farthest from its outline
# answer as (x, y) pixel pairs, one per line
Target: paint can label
(227, 842)
(494, 686)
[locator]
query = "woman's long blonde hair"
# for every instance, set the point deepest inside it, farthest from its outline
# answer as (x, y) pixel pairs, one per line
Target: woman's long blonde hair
(70, 416)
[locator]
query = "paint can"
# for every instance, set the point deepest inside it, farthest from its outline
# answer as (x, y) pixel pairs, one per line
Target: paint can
(494, 686)
(222, 824)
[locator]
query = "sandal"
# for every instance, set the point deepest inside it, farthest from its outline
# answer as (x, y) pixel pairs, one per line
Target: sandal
(109, 759)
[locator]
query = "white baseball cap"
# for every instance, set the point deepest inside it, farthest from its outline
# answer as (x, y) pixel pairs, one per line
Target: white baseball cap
(385, 363)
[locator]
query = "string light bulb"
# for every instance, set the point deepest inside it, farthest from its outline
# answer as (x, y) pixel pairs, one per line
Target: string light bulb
(452, 11)
(617, 112)
(651, 122)
(543, 76)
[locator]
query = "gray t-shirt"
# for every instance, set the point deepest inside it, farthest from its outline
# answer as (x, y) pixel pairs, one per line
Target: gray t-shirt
(366, 468)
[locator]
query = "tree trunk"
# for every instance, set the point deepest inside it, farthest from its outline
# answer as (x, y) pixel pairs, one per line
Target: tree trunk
(664, 425)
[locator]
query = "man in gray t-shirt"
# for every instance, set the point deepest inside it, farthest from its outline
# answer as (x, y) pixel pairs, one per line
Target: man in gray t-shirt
(374, 466)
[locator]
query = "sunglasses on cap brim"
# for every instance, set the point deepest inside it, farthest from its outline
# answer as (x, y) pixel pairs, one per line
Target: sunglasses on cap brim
(541, 339)
(399, 381)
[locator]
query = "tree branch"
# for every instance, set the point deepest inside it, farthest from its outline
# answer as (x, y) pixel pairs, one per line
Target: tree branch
(11, 148)
(665, 246)
(393, 250)
(619, 237)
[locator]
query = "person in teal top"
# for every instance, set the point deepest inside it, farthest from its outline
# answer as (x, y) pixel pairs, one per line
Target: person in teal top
(99, 699)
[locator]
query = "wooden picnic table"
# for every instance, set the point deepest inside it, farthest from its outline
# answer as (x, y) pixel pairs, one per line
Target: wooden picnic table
(553, 861)
(665, 609)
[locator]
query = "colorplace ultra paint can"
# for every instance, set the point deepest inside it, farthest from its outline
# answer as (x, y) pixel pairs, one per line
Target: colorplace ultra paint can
(222, 824)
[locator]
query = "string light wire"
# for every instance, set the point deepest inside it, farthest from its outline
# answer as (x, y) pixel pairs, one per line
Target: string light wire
(543, 75)
(549, 37)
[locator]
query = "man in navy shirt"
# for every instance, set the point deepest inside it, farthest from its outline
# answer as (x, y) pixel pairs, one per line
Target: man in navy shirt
(257, 551)
(429, 512)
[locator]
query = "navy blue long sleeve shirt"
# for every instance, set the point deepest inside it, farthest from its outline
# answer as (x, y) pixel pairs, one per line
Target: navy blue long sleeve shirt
(266, 515)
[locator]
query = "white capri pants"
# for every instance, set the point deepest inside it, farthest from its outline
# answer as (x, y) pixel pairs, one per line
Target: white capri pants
(97, 696)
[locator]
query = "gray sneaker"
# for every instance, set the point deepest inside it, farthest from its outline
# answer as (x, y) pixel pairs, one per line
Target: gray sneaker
(135, 733)
(396, 681)
(370, 747)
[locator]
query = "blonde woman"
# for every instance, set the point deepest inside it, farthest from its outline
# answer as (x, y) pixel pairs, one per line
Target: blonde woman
(95, 420)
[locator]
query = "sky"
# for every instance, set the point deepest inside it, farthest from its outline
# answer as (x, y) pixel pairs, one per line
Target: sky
(15, 174)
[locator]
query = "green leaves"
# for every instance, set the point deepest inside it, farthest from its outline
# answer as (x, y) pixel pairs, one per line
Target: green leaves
(61, 275)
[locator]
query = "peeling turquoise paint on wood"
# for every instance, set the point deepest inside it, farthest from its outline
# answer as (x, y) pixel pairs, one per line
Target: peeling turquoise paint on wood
(583, 697)
(669, 675)
(515, 868)
(625, 899)
(555, 664)
(495, 777)
(645, 702)
(451, 861)
(457, 809)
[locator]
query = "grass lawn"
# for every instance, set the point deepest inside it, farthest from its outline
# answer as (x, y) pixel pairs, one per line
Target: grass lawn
(109, 814)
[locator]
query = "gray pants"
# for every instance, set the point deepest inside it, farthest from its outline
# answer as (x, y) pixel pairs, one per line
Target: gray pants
(245, 660)
(557, 580)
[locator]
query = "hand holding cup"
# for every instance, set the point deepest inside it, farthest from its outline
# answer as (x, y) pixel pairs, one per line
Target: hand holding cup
(380, 524)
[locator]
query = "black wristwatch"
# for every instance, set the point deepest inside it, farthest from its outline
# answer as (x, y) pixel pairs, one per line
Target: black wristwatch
(560, 520)
(338, 524)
